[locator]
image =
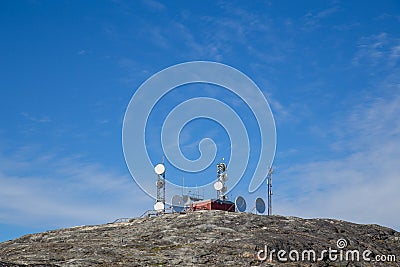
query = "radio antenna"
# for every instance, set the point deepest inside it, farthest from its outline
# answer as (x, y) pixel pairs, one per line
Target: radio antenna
(269, 178)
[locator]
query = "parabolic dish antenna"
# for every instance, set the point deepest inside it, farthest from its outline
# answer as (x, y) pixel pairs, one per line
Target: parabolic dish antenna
(159, 206)
(260, 205)
(186, 199)
(159, 169)
(240, 204)
(218, 185)
(224, 177)
(177, 203)
(223, 189)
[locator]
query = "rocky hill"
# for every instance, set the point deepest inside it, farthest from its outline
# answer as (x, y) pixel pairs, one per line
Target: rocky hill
(208, 238)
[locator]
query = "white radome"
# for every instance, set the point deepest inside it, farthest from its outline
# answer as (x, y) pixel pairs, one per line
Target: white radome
(159, 206)
(218, 185)
(159, 168)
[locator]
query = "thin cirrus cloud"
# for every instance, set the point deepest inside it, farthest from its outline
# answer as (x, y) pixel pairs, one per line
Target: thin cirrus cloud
(54, 190)
(31, 118)
(361, 186)
(358, 179)
(378, 49)
(313, 19)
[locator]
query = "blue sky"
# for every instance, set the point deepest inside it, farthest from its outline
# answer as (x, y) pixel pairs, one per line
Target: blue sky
(329, 70)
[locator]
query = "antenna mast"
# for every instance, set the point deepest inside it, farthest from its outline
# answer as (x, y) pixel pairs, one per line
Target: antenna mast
(269, 178)
(222, 177)
(162, 176)
(160, 203)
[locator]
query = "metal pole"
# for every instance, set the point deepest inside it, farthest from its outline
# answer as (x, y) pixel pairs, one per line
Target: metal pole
(270, 191)
(163, 176)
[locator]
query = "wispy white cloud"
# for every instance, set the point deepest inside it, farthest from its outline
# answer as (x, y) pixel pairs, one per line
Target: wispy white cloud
(155, 5)
(361, 186)
(313, 19)
(82, 52)
(378, 50)
(45, 189)
(32, 124)
(32, 118)
(220, 35)
(387, 16)
(395, 53)
(278, 109)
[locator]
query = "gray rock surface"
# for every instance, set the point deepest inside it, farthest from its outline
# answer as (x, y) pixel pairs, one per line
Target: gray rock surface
(206, 238)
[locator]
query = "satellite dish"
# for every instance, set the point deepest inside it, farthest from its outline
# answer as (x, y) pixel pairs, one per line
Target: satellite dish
(218, 185)
(260, 205)
(223, 189)
(159, 183)
(159, 168)
(159, 206)
(240, 204)
(186, 199)
(177, 203)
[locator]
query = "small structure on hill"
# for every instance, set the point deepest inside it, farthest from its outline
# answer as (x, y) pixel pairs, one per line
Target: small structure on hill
(213, 204)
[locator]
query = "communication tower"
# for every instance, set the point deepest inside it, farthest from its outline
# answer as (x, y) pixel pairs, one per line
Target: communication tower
(219, 185)
(159, 206)
(269, 178)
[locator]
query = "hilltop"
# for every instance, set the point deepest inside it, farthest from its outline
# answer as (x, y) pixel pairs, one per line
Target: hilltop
(206, 238)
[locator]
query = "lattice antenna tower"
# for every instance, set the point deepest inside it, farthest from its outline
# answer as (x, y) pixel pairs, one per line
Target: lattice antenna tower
(159, 169)
(222, 177)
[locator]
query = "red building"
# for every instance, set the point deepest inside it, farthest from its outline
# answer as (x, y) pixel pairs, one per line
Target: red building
(213, 204)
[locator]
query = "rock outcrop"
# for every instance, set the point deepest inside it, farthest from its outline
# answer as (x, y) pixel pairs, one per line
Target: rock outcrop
(208, 238)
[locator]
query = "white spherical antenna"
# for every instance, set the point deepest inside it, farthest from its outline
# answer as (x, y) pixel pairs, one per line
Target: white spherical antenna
(260, 205)
(159, 206)
(177, 203)
(240, 203)
(159, 169)
(218, 185)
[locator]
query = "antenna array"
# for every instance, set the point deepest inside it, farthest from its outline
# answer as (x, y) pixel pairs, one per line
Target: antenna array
(159, 206)
(222, 177)
(180, 203)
